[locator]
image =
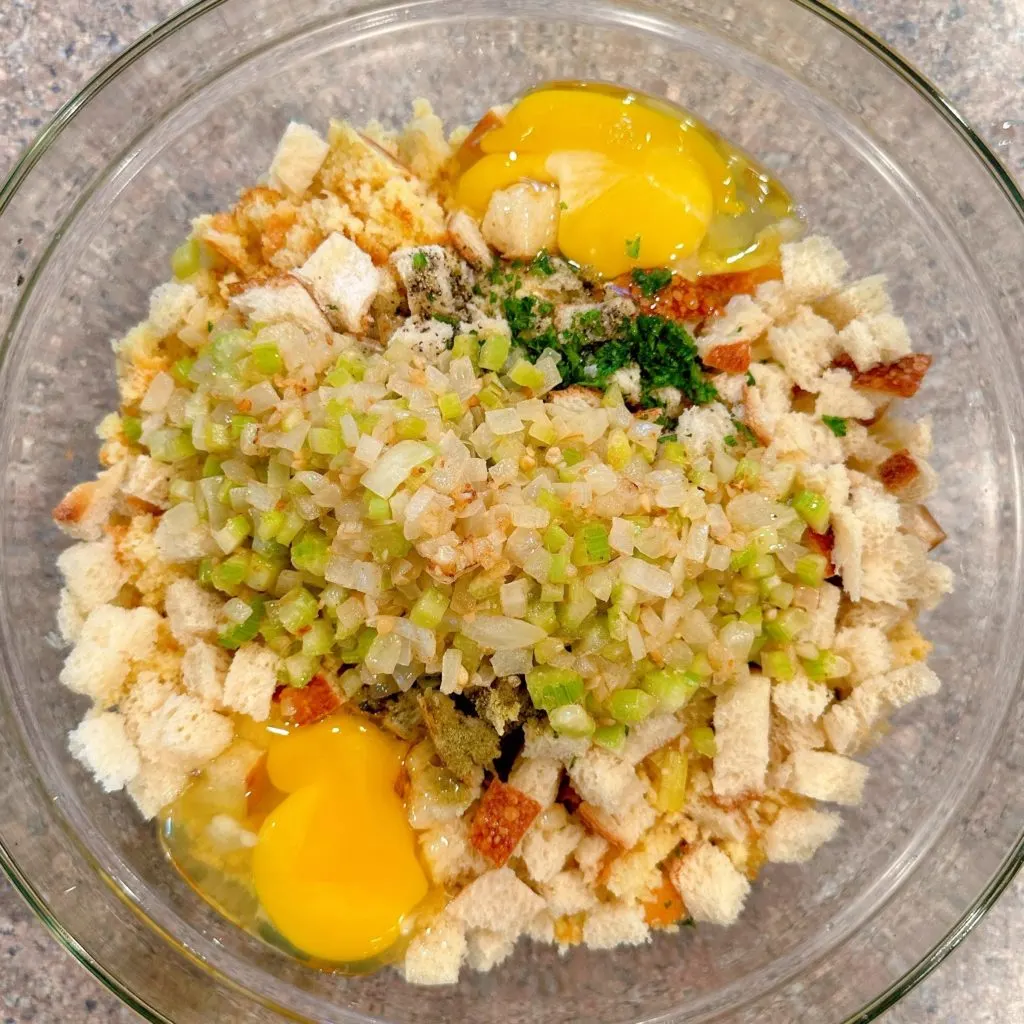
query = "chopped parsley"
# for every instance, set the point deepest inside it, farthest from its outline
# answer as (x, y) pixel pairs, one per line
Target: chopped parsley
(650, 282)
(452, 321)
(633, 247)
(419, 261)
(730, 440)
(745, 432)
(750, 379)
(563, 205)
(836, 424)
(542, 264)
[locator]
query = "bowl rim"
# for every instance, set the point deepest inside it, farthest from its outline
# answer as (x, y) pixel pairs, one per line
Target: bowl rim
(1014, 859)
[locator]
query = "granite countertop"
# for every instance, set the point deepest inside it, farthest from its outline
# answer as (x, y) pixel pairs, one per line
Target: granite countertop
(974, 52)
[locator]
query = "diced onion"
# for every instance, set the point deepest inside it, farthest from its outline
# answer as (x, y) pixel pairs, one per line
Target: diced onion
(646, 577)
(394, 467)
(500, 633)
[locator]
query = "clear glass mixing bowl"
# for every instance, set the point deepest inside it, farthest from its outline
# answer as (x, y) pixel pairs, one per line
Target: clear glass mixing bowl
(879, 161)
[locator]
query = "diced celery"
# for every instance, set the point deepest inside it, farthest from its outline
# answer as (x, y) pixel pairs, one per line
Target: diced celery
(238, 423)
(778, 665)
(590, 545)
(291, 527)
(299, 669)
(471, 654)
(181, 490)
(186, 259)
(181, 369)
(619, 450)
(611, 737)
(319, 639)
(271, 629)
(357, 652)
(700, 666)
(781, 595)
(795, 621)
(494, 352)
(232, 533)
(813, 510)
(466, 346)
(451, 406)
(743, 558)
(710, 591)
(388, 543)
(526, 375)
(297, 610)
(670, 775)
(555, 538)
(702, 739)
(761, 567)
(411, 428)
(547, 649)
(753, 616)
(571, 456)
(826, 666)
(271, 550)
(266, 360)
(169, 445)
(378, 510)
(211, 467)
(673, 451)
(671, 687)
(204, 573)
(338, 377)
(811, 569)
(579, 604)
(747, 472)
(543, 615)
(552, 593)
(268, 524)
(551, 688)
(310, 551)
(492, 396)
(571, 720)
(775, 630)
(241, 632)
(429, 609)
(543, 431)
(226, 348)
(262, 573)
(228, 575)
(551, 503)
(131, 427)
(630, 706)
(559, 571)
(325, 441)
(218, 437)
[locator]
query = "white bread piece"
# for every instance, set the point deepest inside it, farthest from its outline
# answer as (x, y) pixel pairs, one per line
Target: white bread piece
(742, 320)
(92, 574)
(837, 397)
(714, 822)
(141, 708)
(469, 241)
(537, 777)
(804, 346)
(873, 339)
(486, 950)
(343, 280)
(648, 736)
(829, 777)
(448, 854)
(170, 304)
(768, 400)
(812, 268)
(866, 648)
(589, 856)
(822, 629)
(193, 612)
(712, 889)
(804, 436)
(181, 537)
(627, 827)
(430, 288)
(148, 481)
(849, 723)
(156, 785)
(742, 721)
(435, 955)
(496, 901)
(914, 435)
(427, 337)
(85, 509)
(423, 146)
(615, 924)
(796, 835)
(861, 447)
(568, 893)
(232, 768)
(628, 381)
(188, 734)
(776, 300)
(542, 742)
(101, 743)
(69, 619)
(299, 156)
(203, 669)
(865, 297)
(549, 843)
(869, 613)
(605, 781)
(899, 570)
(731, 388)
(111, 640)
(795, 736)
(521, 220)
(251, 680)
(909, 683)
(635, 875)
(801, 700)
(541, 929)
(282, 300)
(702, 429)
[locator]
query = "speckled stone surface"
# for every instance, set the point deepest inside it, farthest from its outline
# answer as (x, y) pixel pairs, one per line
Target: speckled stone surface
(973, 50)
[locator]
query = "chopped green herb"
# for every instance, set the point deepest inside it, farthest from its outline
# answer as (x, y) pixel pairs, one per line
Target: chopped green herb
(209, 326)
(836, 424)
(419, 261)
(745, 432)
(452, 321)
(563, 205)
(750, 379)
(542, 264)
(650, 282)
(633, 247)
(730, 440)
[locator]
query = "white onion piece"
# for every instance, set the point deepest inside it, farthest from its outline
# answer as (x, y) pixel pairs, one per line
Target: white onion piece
(394, 467)
(451, 664)
(158, 394)
(500, 633)
(646, 577)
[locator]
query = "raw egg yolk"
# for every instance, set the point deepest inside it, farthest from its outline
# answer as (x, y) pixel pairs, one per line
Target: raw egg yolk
(641, 183)
(335, 866)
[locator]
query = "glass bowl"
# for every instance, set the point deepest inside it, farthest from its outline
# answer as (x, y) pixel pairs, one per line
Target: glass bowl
(879, 161)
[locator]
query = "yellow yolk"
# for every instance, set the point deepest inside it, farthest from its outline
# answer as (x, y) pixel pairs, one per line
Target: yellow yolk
(641, 183)
(335, 866)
